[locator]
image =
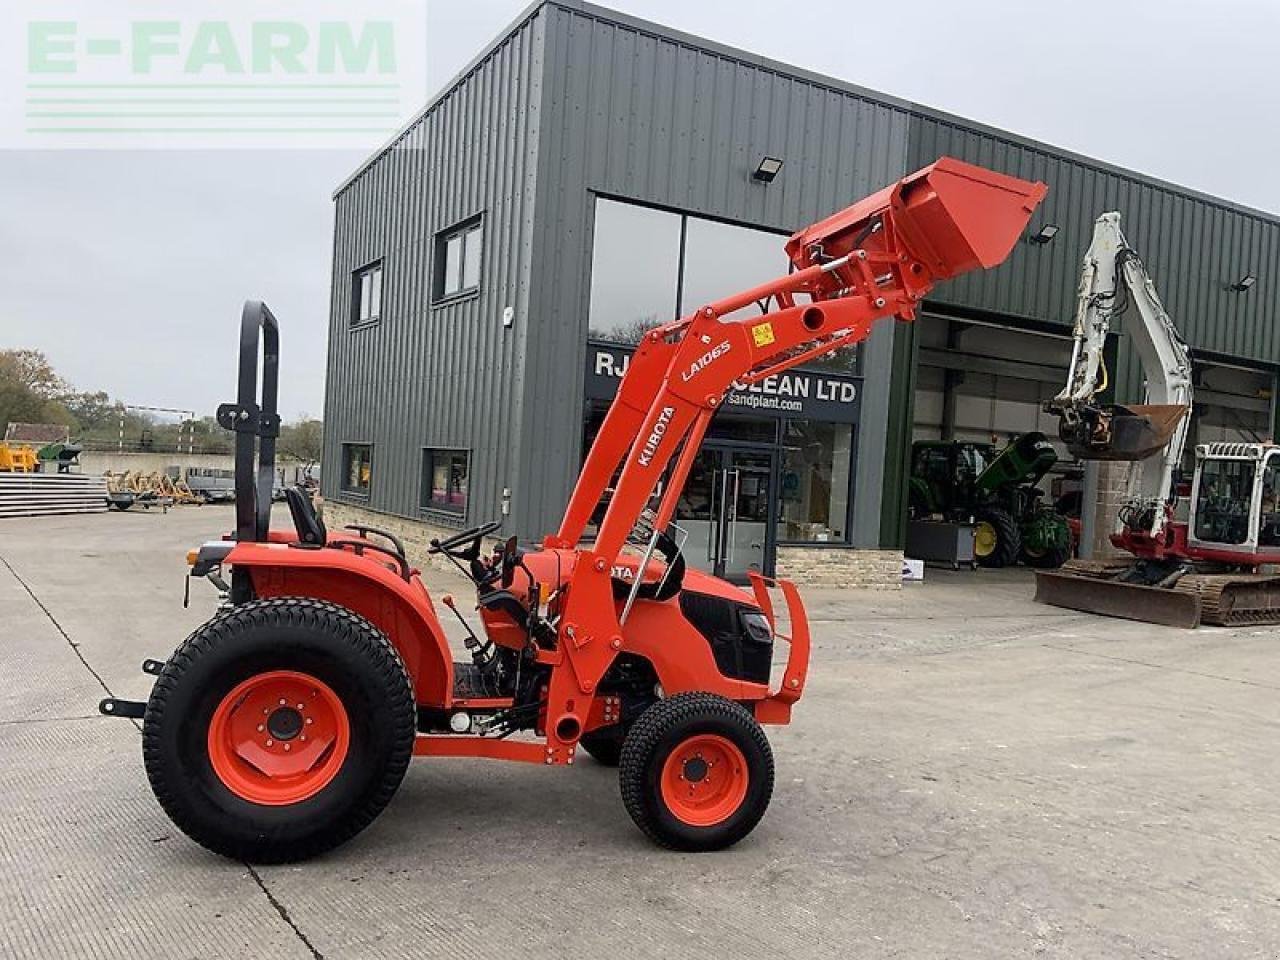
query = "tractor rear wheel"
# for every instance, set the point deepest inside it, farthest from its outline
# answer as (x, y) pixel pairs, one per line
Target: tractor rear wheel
(696, 772)
(996, 540)
(279, 729)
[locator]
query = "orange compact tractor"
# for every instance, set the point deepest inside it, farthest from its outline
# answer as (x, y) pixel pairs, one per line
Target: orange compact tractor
(284, 725)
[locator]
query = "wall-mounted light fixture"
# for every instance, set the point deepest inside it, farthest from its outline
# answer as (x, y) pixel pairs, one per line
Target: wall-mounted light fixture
(1243, 284)
(767, 169)
(1046, 234)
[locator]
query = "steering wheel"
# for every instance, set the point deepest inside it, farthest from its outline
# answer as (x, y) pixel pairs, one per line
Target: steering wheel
(472, 537)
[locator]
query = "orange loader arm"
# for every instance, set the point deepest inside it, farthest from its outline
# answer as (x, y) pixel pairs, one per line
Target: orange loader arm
(876, 259)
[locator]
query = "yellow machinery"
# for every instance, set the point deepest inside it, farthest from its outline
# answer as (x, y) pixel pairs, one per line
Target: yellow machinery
(17, 459)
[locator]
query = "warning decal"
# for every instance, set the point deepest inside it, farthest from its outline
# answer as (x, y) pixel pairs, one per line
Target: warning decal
(762, 334)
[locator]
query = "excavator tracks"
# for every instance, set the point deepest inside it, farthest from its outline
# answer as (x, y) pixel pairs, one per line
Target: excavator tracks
(1235, 599)
(1217, 599)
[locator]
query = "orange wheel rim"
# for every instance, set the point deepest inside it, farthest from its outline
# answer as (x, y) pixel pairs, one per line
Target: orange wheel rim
(704, 780)
(278, 738)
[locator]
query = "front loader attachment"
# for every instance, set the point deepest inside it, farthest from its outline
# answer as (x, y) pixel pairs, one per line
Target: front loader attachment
(1122, 433)
(951, 216)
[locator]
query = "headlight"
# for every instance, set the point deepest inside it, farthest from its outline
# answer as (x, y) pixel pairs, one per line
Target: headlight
(755, 626)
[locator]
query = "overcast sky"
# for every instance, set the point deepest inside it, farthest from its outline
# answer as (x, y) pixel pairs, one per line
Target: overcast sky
(128, 268)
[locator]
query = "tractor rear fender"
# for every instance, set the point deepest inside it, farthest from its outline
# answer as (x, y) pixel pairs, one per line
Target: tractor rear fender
(401, 609)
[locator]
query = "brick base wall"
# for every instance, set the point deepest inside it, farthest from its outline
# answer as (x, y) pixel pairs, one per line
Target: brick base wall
(816, 567)
(825, 567)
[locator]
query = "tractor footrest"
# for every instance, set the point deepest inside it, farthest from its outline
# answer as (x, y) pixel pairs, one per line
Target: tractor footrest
(130, 709)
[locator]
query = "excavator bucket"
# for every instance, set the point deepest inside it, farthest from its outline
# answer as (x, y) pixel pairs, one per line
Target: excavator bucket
(1125, 432)
(954, 217)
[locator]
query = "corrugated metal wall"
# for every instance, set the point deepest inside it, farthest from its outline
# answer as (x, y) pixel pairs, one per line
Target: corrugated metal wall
(448, 375)
(646, 115)
(1194, 247)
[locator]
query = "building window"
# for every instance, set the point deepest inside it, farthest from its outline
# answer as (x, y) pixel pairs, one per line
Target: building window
(720, 260)
(458, 252)
(444, 480)
(817, 460)
(650, 266)
(366, 294)
(357, 467)
(635, 270)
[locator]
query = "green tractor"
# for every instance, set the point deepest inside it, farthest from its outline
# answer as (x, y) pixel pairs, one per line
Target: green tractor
(996, 490)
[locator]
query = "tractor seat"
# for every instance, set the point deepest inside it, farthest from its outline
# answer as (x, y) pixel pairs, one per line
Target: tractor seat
(310, 527)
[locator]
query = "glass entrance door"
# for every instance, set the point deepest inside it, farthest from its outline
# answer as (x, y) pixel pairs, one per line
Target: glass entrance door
(725, 509)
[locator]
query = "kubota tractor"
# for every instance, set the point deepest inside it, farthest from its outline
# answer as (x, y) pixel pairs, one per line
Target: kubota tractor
(284, 725)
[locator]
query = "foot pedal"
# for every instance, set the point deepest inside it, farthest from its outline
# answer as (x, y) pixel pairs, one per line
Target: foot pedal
(152, 667)
(130, 709)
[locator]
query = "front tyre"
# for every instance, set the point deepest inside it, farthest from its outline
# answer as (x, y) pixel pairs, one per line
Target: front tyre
(279, 729)
(696, 772)
(996, 539)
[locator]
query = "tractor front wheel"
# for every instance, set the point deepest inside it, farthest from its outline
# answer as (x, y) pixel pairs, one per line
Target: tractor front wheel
(279, 729)
(696, 772)
(996, 540)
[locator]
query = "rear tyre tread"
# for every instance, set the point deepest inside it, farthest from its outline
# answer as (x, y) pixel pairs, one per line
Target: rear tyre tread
(342, 627)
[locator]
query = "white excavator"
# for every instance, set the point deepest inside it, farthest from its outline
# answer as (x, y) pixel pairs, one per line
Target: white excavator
(1186, 567)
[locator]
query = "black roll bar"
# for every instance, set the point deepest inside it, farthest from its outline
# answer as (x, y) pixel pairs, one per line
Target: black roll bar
(255, 421)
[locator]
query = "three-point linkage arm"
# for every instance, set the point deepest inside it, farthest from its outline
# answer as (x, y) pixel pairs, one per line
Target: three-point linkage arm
(1153, 434)
(876, 259)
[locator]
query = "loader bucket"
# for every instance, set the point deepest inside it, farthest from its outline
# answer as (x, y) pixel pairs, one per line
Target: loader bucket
(1126, 432)
(954, 217)
(1114, 598)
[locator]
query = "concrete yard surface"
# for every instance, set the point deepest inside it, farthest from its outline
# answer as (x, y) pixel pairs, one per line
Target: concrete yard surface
(968, 775)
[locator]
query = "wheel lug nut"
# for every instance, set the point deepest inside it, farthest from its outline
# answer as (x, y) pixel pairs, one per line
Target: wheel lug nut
(309, 720)
(301, 707)
(286, 746)
(282, 701)
(261, 728)
(270, 742)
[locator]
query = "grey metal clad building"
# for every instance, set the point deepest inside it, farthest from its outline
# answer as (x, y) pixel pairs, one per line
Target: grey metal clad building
(590, 175)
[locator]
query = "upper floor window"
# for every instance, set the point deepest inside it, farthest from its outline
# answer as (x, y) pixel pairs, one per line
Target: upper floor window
(457, 259)
(366, 294)
(357, 467)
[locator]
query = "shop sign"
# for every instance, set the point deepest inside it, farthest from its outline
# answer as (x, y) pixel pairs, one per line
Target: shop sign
(798, 394)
